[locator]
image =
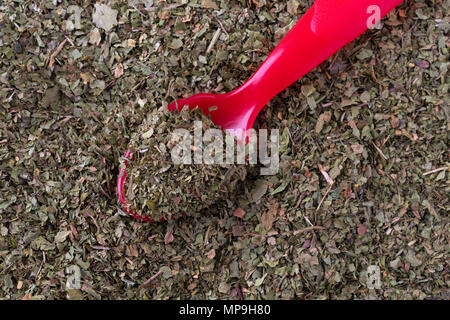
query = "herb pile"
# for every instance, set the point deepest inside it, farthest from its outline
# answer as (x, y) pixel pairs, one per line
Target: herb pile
(364, 177)
(167, 190)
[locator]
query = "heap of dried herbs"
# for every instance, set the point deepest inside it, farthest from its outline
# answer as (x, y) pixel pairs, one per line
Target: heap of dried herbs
(364, 152)
(160, 188)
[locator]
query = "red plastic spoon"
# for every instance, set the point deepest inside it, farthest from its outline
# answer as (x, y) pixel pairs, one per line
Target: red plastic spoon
(325, 28)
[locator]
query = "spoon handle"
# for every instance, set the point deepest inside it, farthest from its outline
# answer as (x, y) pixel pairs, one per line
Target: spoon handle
(325, 28)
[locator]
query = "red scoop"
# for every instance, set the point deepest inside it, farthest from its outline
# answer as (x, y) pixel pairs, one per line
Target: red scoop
(325, 28)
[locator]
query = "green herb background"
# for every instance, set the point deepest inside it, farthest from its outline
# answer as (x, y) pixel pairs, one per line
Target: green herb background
(365, 154)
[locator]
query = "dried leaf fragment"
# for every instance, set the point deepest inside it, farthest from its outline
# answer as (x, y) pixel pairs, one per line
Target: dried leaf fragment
(104, 17)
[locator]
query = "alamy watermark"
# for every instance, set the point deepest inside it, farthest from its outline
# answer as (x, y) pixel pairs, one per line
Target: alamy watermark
(74, 277)
(373, 277)
(374, 20)
(216, 147)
